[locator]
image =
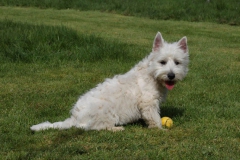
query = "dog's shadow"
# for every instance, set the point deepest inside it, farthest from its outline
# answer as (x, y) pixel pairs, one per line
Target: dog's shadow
(171, 111)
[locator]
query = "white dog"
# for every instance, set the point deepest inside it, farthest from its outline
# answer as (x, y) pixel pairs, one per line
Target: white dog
(132, 96)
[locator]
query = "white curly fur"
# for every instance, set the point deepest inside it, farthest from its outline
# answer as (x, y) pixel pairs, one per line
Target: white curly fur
(132, 96)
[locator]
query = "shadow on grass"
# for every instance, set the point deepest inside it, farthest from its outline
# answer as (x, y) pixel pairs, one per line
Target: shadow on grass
(171, 111)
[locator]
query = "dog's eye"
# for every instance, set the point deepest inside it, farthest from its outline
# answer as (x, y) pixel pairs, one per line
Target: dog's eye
(163, 62)
(177, 63)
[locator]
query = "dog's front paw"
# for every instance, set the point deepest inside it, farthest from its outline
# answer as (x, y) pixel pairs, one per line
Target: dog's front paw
(158, 127)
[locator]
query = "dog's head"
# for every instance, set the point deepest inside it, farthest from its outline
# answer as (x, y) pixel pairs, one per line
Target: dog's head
(169, 61)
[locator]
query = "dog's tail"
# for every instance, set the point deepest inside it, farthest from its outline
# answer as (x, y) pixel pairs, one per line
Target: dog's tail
(68, 123)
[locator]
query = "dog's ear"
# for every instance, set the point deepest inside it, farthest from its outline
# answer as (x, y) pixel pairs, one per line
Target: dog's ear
(182, 43)
(158, 42)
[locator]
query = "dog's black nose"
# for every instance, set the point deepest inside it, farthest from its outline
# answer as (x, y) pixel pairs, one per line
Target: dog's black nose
(171, 75)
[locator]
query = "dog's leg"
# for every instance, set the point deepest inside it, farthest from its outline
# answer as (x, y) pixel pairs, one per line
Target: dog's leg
(68, 123)
(115, 129)
(152, 118)
(150, 114)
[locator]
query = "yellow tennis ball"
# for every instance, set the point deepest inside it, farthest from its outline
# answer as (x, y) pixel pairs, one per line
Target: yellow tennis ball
(167, 122)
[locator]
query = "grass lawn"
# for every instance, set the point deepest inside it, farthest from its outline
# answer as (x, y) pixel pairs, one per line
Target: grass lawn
(219, 11)
(49, 57)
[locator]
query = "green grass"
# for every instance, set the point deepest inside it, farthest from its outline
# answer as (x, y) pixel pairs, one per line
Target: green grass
(220, 11)
(50, 57)
(49, 44)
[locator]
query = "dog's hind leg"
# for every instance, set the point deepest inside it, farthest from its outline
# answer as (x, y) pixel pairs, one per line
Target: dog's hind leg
(116, 129)
(41, 126)
(68, 123)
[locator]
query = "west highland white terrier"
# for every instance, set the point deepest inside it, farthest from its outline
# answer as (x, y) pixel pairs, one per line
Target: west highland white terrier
(134, 95)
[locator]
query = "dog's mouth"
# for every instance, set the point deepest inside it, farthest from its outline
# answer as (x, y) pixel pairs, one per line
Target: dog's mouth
(169, 84)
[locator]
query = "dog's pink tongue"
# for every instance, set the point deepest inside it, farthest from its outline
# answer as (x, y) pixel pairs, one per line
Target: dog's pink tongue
(169, 85)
